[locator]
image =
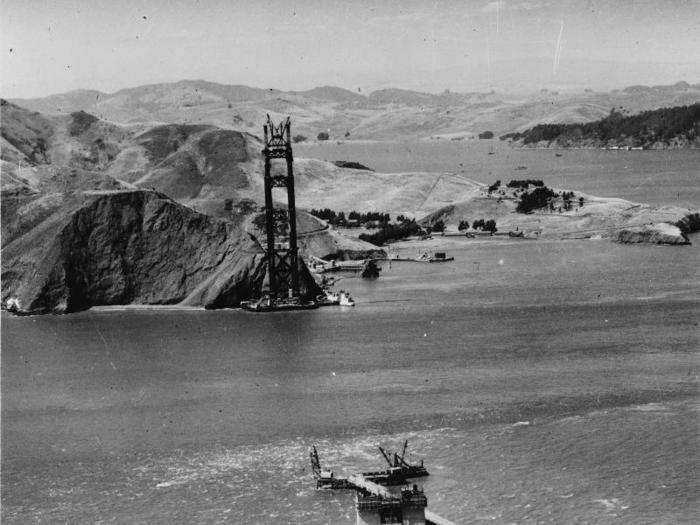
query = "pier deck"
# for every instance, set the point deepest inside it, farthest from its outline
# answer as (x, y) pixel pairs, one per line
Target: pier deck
(358, 482)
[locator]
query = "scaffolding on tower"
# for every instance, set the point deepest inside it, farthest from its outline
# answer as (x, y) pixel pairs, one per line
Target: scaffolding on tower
(282, 253)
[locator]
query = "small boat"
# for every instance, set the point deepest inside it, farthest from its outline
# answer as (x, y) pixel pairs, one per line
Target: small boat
(516, 234)
(345, 299)
(436, 257)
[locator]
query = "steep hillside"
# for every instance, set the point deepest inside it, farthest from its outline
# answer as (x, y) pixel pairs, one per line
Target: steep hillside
(26, 133)
(77, 231)
(126, 247)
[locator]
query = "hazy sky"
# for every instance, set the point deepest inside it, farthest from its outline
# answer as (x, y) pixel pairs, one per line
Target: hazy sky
(60, 45)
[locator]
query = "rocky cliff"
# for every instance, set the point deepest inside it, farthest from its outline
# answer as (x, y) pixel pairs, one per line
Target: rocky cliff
(130, 246)
(660, 233)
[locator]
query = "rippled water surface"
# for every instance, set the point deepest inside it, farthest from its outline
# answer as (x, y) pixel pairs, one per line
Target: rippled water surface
(540, 381)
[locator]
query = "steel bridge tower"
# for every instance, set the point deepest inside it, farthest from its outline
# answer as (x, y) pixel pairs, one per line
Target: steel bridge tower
(282, 258)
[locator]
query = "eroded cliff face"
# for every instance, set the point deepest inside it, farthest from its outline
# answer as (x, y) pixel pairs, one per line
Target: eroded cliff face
(130, 247)
(660, 233)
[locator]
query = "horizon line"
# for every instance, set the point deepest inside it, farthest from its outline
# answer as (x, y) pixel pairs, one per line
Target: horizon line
(365, 94)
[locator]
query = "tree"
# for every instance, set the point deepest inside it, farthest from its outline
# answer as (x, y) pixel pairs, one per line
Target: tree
(438, 226)
(347, 134)
(463, 225)
(494, 186)
(538, 198)
(323, 136)
(490, 226)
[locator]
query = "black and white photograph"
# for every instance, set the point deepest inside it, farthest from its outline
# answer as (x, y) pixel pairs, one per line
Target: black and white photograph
(350, 262)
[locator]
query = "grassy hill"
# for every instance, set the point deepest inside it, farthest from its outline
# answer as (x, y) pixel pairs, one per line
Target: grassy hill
(381, 115)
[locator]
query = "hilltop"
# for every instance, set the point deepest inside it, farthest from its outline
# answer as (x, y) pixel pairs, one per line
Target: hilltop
(386, 114)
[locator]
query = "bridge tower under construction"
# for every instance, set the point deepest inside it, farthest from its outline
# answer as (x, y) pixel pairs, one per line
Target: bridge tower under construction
(282, 257)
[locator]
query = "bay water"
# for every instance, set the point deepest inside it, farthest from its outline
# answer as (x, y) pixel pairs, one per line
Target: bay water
(541, 381)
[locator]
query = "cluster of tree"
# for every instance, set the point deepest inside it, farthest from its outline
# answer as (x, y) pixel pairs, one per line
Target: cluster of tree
(392, 232)
(567, 197)
(351, 164)
(438, 226)
(336, 218)
(494, 186)
(372, 216)
(487, 226)
(354, 218)
(535, 199)
(642, 129)
(524, 183)
(479, 224)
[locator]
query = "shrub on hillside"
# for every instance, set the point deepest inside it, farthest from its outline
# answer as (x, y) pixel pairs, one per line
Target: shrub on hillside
(80, 123)
(351, 164)
(323, 136)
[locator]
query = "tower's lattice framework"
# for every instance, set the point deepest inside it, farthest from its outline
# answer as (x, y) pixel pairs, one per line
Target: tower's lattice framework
(282, 257)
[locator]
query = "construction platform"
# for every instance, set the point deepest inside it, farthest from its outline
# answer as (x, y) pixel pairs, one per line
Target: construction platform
(376, 503)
